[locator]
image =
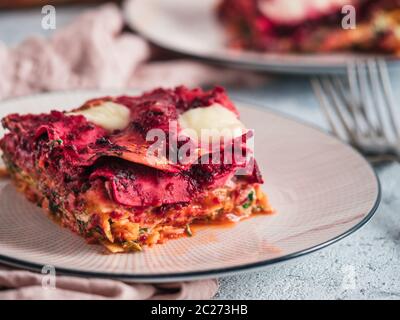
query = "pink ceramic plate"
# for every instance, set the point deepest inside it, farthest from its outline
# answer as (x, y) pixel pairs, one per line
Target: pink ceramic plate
(321, 188)
(190, 27)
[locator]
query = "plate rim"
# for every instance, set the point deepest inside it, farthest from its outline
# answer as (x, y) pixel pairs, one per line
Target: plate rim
(247, 63)
(210, 273)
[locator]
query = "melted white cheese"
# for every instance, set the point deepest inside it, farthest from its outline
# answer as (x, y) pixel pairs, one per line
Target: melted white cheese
(108, 115)
(292, 11)
(214, 120)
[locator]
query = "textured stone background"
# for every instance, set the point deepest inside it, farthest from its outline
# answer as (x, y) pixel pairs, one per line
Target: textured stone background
(364, 265)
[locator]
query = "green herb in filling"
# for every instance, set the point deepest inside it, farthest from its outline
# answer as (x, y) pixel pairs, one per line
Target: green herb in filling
(132, 245)
(250, 198)
(54, 207)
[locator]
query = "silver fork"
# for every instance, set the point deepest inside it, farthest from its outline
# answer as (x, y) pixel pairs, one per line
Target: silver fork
(361, 110)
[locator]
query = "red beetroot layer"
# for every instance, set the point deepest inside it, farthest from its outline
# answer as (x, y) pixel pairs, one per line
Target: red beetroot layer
(256, 31)
(75, 153)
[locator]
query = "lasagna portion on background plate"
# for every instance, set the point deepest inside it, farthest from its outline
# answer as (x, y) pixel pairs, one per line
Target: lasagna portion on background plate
(114, 171)
(312, 25)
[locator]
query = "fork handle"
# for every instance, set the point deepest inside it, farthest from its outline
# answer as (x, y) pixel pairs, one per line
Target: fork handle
(377, 159)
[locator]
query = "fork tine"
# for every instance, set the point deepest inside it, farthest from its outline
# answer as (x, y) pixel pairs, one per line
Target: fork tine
(319, 93)
(365, 94)
(336, 113)
(376, 91)
(353, 83)
(389, 131)
(388, 96)
(356, 93)
(359, 122)
(355, 99)
(340, 110)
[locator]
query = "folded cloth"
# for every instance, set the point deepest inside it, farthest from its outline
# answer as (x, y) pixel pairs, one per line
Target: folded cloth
(93, 52)
(20, 284)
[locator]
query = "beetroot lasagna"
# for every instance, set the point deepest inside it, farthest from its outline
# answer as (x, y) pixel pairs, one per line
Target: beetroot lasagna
(96, 169)
(312, 25)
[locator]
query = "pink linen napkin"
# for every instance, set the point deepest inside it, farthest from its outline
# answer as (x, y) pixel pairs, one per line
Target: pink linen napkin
(20, 284)
(93, 52)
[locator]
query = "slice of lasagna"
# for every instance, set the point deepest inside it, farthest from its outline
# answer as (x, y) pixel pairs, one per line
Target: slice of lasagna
(313, 25)
(131, 171)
